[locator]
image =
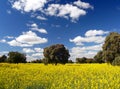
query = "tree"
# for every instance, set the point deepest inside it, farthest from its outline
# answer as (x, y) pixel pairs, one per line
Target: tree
(111, 47)
(116, 62)
(56, 54)
(37, 61)
(70, 61)
(16, 57)
(81, 60)
(99, 57)
(3, 58)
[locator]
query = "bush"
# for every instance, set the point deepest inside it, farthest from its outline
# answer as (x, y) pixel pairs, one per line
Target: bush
(116, 62)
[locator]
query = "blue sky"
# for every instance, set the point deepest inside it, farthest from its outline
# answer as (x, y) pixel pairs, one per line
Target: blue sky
(28, 26)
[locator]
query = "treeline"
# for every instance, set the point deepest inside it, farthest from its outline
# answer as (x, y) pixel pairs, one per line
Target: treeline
(57, 53)
(14, 57)
(88, 60)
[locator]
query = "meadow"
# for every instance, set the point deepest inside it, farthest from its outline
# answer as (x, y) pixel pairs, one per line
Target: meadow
(69, 76)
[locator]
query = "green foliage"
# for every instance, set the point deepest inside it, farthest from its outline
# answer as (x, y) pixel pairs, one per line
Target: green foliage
(99, 57)
(85, 60)
(16, 57)
(70, 61)
(37, 61)
(3, 58)
(81, 60)
(116, 61)
(111, 47)
(56, 54)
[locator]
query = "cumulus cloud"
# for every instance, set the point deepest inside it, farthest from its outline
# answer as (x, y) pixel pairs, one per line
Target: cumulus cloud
(95, 36)
(80, 40)
(35, 50)
(38, 55)
(28, 50)
(86, 51)
(38, 50)
(29, 5)
(33, 53)
(27, 39)
(95, 32)
(34, 27)
(67, 11)
(83, 5)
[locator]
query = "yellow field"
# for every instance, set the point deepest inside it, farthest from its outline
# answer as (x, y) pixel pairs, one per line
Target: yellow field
(70, 76)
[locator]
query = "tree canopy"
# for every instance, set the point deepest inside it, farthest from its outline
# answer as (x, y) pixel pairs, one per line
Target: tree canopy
(16, 57)
(56, 54)
(99, 57)
(3, 58)
(111, 47)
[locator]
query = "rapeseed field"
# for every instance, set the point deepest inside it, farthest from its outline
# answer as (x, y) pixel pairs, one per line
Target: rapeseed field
(69, 76)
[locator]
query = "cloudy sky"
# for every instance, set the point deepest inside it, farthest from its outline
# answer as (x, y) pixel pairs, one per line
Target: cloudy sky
(28, 26)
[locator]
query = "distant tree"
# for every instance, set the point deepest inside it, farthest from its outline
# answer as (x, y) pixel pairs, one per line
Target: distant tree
(81, 60)
(37, 61)
(70, 61)
(85, 60)
(3, 58)
(56, 54)
(16, 57)
(111, 47)
(99, 57)
(90, 60)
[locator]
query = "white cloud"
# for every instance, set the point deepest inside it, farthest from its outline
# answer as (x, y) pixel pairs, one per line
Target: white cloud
(83, 5)
(35, 50)
(41, 18)
(2, 41)
(33, 53)
(94, 36)
(34, 27)
(38, 50)
(3, 53)
(87, 48)
(30, 58)
(69, 11)
(28, 50)
(91, 37)
(16, 43)
(95, 32)
(87, 51)
(29, 5)
(37, 55)
(9, 37)
(65, 11)
(27, 39)
(80, 40)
